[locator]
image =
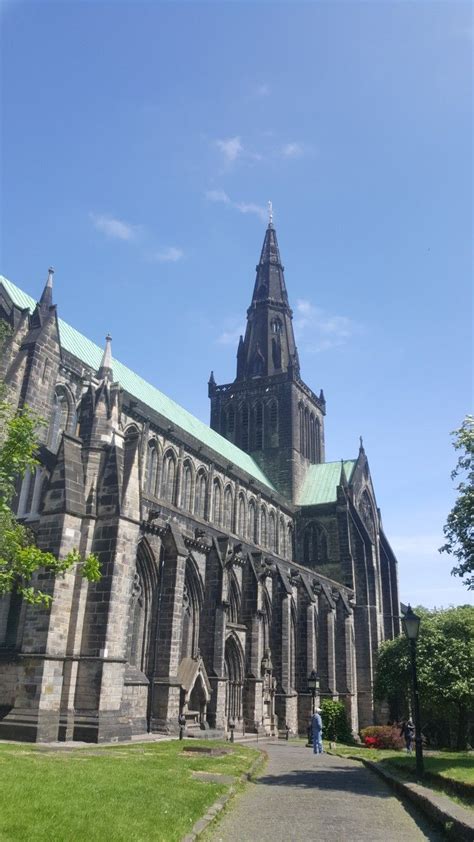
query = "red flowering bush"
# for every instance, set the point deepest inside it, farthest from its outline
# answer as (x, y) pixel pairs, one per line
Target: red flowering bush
(382, 736)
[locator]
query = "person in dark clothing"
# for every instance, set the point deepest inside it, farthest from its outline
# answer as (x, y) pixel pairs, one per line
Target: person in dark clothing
(408, 732)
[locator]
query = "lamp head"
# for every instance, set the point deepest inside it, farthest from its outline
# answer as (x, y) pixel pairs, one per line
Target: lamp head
(411, 624)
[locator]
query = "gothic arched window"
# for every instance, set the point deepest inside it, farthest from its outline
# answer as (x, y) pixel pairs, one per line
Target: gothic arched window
(216, 503)
(271, 531)
(263, 527)
(258, 426)
(169, 476)
(186, 494)
(230, 419)
(273, 424)
(315, 545)
(317, 432)
(302, 439)
(282, 536)
(191, 613)
(228, 508)
(59, 418)
(312, 443)
(244, 427)
(276, 325)
(200, 495)
(141, 611)
(152, 468)
(252, 521)
(241, 529)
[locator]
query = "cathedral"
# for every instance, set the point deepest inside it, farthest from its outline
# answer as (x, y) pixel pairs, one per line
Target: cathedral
(235, 560)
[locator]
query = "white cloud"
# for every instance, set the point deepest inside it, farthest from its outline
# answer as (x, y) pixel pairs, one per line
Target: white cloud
(292, 150)
(243, 207)
(218, 196)
(230, 148)
(168, 255)
(117, 229)
(320, 330)
(250, 207)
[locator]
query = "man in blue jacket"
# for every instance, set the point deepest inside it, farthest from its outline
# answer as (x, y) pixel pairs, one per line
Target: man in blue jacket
(317, 731)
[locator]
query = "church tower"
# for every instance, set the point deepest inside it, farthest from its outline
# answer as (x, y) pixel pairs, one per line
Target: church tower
(268, 410)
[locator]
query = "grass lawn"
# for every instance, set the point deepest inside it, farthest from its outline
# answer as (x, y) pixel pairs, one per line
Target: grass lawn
(138, 792)
(442, 767)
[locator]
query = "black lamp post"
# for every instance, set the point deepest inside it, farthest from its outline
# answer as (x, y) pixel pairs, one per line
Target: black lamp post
(313, 686)
(411, 627)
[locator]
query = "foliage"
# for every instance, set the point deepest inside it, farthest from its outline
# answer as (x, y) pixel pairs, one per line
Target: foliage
(445, 666)
(335, 724)
(129, 792)
(20, 558)
(382, 736)
(459, 528)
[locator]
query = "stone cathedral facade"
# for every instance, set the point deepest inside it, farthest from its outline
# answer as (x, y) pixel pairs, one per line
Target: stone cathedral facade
(235, 559)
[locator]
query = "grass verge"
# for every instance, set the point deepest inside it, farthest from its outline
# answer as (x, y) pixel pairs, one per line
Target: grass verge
(118, 794)
(450, 772)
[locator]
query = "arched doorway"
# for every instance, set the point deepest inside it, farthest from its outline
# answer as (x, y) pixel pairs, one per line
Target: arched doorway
(234, 673)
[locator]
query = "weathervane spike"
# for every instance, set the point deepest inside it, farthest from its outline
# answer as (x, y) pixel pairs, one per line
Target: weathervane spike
(270, 213)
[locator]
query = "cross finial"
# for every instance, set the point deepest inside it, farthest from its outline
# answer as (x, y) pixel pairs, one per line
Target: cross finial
(270, 213)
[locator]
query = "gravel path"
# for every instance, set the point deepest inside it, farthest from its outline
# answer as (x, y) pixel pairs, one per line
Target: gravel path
(302, 796)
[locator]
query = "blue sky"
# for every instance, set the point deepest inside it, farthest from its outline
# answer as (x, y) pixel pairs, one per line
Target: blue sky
(141, 143)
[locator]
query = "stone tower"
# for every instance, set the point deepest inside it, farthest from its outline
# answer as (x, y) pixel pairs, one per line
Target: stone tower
(268, 410)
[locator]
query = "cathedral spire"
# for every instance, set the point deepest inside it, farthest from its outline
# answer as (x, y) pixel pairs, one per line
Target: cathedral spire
(46, 299)
(105, 369)
(269, 344)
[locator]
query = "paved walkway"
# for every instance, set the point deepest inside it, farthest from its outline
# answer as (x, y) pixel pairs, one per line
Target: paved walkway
(302, 796)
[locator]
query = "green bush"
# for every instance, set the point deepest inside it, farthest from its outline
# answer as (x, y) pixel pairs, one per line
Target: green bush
(385, 736)
(335, 724)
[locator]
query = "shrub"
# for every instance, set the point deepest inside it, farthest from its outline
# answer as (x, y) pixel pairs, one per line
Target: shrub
(382, 736)
(335, 724)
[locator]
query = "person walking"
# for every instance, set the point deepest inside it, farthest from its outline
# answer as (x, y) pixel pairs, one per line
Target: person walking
(317, 731)
(408, 731)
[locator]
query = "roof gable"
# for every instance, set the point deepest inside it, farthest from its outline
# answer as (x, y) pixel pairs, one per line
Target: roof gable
(321, 481)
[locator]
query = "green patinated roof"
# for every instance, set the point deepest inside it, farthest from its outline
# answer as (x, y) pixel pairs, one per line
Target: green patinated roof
(91, 355)
(321, 481)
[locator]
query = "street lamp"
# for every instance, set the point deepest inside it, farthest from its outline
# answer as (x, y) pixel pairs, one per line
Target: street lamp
(411, 627)
(313, 686)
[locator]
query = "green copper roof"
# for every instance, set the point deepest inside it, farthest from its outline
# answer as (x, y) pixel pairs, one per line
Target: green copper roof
(91, 354)
(321, 481)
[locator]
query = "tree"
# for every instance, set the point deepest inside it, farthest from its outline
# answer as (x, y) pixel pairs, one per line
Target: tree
(20, 558)
(445, 661)
(459, 528)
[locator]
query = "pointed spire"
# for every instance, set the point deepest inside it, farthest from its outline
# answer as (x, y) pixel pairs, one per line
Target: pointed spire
(46, 299)
(105, 369)
(361, 445)
(212, 380)
(269, 345)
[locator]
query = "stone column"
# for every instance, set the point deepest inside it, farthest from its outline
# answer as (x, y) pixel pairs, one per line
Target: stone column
(332, 680)
(166, 689)
(351, 677)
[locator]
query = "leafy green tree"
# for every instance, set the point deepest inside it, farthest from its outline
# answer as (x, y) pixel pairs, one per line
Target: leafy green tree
(335, 724)
(459, 528)
(20, 558)
(445, 665)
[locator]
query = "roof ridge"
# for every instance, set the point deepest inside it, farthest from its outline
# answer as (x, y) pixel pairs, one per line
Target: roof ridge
(74, 342)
